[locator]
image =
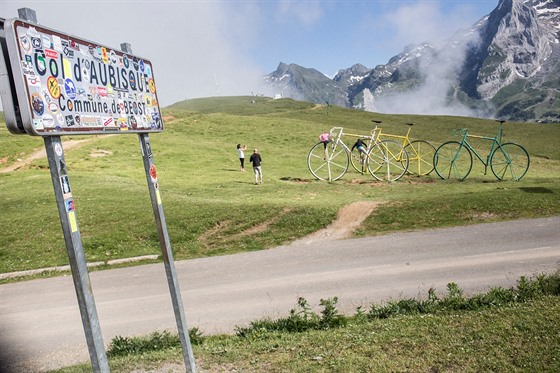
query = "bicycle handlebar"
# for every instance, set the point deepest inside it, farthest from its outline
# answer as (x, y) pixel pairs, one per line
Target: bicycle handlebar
(500, 130)
(463, 132)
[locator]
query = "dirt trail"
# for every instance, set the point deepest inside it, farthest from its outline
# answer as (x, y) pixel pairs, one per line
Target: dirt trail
(41, 153)
(348, 219)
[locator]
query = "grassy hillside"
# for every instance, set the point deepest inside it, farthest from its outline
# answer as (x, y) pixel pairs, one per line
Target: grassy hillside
(212, 208)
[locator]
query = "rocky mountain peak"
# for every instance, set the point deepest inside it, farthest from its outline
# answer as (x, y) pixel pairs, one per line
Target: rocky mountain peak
(517, 42)
(353, 75)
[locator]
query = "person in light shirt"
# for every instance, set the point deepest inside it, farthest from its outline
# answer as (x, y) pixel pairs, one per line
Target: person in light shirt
(325, 138)
(241, 154)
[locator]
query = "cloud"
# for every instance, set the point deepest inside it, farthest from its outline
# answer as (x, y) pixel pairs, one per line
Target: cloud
(197, 49)
(307, 13)
(203, 53)
(209, 48)
(207, 45)
(425, 22)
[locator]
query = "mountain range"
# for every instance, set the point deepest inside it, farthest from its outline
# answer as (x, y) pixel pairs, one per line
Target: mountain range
(507, 65)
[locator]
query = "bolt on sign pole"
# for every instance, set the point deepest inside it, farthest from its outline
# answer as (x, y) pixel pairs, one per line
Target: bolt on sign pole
(165, 244)
(57, 84)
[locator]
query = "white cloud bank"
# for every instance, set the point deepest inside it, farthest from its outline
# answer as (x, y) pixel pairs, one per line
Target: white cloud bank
(197, 49)
(422, 22)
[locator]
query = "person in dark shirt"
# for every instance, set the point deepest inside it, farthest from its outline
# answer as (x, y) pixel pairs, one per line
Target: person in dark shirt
(256, 161)
(361, 146)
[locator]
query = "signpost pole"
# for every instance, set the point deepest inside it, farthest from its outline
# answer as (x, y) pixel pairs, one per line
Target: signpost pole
(165, 244)
(72, 238)
(151, 177)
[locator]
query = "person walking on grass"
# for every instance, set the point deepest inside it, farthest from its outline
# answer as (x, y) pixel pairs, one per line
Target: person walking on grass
(241, 154)
(256, 161)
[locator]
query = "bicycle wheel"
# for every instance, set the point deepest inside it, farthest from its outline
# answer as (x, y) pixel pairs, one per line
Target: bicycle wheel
(509, 161)
(358, 163)
(453, 161)
(420, 156)
(387, 160)
(327, 164)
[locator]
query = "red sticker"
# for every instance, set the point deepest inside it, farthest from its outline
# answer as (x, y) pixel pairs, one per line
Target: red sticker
(153, 173)
(51, 54)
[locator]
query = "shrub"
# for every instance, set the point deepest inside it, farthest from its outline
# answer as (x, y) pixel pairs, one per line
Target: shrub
(331, 318)
(303, 318)
(526, 290)
(122, 346)
(298, 321)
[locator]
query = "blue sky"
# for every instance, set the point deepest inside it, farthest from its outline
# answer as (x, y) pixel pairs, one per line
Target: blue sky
(208, 48)
(329, 35)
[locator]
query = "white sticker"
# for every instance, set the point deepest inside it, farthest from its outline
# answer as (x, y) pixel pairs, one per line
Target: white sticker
(58, 149)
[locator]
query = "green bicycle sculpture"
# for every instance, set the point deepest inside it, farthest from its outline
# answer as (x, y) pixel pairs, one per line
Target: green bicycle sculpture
(508, 161)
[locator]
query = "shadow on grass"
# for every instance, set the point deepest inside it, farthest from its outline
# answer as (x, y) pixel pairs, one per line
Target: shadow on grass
(535, 190)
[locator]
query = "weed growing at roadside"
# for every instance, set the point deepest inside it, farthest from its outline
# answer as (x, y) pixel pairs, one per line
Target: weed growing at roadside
(303, 318)
(122, 346)
(526, 289)
(299, 320)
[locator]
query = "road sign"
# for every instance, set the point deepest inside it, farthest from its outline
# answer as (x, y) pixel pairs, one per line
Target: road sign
(62, 84)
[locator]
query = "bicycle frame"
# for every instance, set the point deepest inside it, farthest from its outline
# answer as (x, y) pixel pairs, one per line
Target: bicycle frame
(372, 138)
(420, 153)
(337, 132)
(496, 141)
(405, 138)
(337, 146)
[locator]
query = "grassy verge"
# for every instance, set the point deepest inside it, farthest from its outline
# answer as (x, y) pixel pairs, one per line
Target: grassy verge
(503, 330)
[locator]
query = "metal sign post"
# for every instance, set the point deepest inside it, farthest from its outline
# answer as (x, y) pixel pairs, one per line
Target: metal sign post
(73, 240)
(151, 177)
(167, 253)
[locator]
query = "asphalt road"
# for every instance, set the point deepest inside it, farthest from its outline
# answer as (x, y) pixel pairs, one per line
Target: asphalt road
(41, 329)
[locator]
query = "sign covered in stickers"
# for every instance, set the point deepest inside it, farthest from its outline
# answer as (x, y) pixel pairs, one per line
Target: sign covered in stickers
(67, 85)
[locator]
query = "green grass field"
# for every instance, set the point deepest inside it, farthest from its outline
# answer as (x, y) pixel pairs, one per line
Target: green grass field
(210, 206)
